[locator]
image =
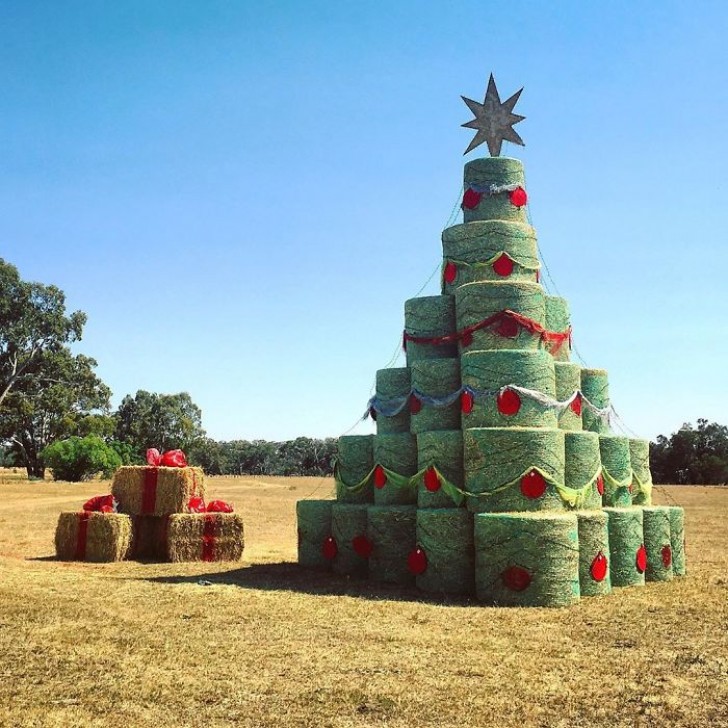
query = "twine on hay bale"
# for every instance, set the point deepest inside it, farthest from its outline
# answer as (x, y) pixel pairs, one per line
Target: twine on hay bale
(392, 532)
(429, 316)
(627, 555)
(492, 370)
(476, 302)
(397, 454)
(435, 378)
(498, 171)
(558, 319)
(639, 456)
(316, 547)
(616, 470)
(87, 536)
(354, 464)
(568, 381)
(527, 559)
(393, 384)
(677, 539)
(656, 529)
(594, 554)
(595, 387)
(500, 464)
(582, 468)
(156, 491)
(349, 529)
(443, 452)
(204, 537)
(445, 535)
(472, 249)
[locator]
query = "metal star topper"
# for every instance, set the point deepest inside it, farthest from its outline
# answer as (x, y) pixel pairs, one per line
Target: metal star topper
(493, 120)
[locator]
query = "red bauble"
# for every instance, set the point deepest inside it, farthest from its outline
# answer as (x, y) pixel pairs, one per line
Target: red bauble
(600, 485)
(516, 578)
(362, 546)
(503, 266)
(508, 402)
(519, 197)
(414, 404)
(466, 402)
(329, 549)
(466, 339)
(380, 477)
(471, 198)
(450, 273)
(666, 556)
(641, 560)
(507, 328)
(432, 480)
(576, 405)
(599, 567)
(417, 561)
(533, 485)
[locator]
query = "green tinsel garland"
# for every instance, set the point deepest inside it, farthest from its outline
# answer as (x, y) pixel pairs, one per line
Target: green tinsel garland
(616, 470)
(558, 319)
(639, 455)
(393, 384)
(392, 531)
(499, 171)
(582, 466)
(527, 559)
(429, 316)
(595, 387)
(625, 541)
(656, 528)
(354, 461)
(436, 378)
(593, 553)
(677, 539)
(314, 527)
(568, 381)
(446, 537)
(347, 523)
(398, 453)
(490, 370)
(443, 450)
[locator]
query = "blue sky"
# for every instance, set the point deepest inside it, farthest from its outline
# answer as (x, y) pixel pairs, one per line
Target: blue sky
(241, 195)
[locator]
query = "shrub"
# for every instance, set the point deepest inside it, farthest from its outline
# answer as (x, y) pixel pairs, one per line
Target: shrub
(80, 458)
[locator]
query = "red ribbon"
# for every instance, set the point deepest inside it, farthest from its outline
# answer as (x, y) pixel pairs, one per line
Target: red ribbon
(82, 535)
(197, 505)
(100, 504)
(149, 492)
(208, 539)
(170, 459)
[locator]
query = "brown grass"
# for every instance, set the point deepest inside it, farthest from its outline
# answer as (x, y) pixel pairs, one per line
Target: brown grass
(130, 644)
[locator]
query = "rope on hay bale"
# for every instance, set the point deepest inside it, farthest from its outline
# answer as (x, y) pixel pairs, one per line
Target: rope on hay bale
(568, 381)
(92, 536)
(527, 559)
(397, 454)
(639, 455)
(593, 553)
(440, 456)
(627, 554)
(558, 319)
(316, 546)
(616, 470)
(595, 387)
(435, 378)
(392, 532)
(656, 526)
(582, 467)
(429, 316)
(354, 463)
(349, 529)
(677, 539)
(393, 384)
(481, 173)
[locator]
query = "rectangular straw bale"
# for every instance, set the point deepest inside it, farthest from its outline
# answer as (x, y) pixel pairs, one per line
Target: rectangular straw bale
(149, 538)
(152, 491)
(205, 537)
(87, 536)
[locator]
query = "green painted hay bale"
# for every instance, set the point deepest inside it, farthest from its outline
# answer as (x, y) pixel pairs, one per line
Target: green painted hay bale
(639, 456)
(436, 378)
(392, 532)
(499, 462)
(446, 537)
(594, 554)
(354, 463)
(626, 546)
(393, 385)
(348, 522)
(616, 470)
(568, 381)
(444, 451)
(558, 320)
(595, 387)
(491, 370)
(314, 528)
(582, 466)
(397, 453)
(476, 302)
(473, 247)
(429, 316)
(498, 171)
(656, 529)
(677, 539)
(527, 559)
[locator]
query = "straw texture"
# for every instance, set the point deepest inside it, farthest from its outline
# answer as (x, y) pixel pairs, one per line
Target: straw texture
(398, 453)
(616, 469)
(152, 491)
(107, 536)
(568, 381)
(594, 554)
(436, 378)
(677, 539)
(639, 456)
(595, 387)
(205, 537)
(355, 461)
(149, 538)
(558, 319)
(499, 171)
(392, 532)
(348, 522)
(393, 384)
(625, 542)
(429, 316)
(582, 463)
(314, 527)
(656, 525)
(444, 451)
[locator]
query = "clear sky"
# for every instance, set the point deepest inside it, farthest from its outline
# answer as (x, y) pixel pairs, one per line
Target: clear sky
(241, 195)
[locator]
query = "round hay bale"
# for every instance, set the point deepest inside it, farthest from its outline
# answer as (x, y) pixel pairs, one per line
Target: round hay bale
(568, 381)
(392, 386)
(349, 529)
(639, 456)
(656, 529)
(677, 539)
(392, 533)
(627, 555)
(582, 467)
(594, 554)
(442, 451)
(558, 320)
(616, 470)
(527, 559)
(481, 173)
(446, 537)
(315, 548)
(513, 469)
(354, 463)
(429, 316)
(472, 252)
(476, 302)
(397, 455)
(436, 378)
(595, 387)
(492, 370)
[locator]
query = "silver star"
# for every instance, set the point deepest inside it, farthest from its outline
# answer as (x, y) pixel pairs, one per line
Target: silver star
(493, 120)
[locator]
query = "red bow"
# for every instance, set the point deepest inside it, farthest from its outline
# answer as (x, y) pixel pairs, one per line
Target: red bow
(101, 504)
(170, 459)
(197, 505)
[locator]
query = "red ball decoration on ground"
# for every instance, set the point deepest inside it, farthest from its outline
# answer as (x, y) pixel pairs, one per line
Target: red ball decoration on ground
(414, 404)
(503, 266)
(466, 402)
(600, 484)
(507, 328)
(450, 273)
(533, 485)
(516, 578)
(641, 560)
(329, 548)
(599, 567)
(432, 480)
(471, 198)
(576, 405)
(362, 546)
(508, 402)
(380, 477)
(666, 556)
(519, 197)
(417, 561)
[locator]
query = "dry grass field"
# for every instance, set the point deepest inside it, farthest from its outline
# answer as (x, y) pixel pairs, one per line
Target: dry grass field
(263, 643)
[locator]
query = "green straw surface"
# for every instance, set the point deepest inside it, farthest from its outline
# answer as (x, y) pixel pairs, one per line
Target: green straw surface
(392, 531)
